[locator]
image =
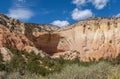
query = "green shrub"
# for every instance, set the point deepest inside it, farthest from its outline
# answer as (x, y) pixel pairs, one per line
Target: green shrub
(75, 71)
(23, 62)
(116, 61)
(115, 75)
(2, 66)
(115, 72)
(16, 75)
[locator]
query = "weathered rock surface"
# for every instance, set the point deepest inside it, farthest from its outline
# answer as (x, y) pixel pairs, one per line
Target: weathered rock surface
(13, 39)
(12, 35)
(43, 37)
(6, 54)
(68, 55)
(93, 38)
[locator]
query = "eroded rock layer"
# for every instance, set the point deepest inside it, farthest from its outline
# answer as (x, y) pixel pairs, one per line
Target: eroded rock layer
(13, 39)
(93, 38)
(12, 35)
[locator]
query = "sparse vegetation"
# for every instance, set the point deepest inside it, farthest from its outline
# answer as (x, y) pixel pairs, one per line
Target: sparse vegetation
(31, 66)
(2, 66)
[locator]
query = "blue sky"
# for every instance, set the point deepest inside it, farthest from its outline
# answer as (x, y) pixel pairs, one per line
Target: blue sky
(59, 12)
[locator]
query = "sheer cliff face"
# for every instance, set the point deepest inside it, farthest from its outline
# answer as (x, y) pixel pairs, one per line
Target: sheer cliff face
(92, 38)
(43, 37)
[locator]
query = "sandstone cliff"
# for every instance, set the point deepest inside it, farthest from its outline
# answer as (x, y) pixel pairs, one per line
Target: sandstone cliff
(93, 38)
(12, 35)
(43, 36)
(89, 39)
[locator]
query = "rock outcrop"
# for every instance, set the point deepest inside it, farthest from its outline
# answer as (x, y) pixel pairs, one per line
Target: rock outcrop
(92, 39)
(43, 37)
(12, 35)
(6, 54)
(13, 39)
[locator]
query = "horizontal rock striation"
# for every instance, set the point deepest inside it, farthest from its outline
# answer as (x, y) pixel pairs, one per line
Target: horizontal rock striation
(90, 39)
(93, 38)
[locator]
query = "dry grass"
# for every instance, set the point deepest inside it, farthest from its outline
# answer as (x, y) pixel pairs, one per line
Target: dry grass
(16, 75)
(102, 70)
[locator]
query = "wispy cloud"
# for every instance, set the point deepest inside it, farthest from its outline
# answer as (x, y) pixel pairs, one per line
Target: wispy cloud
(118, 15)
(81, 14)
(20, 11)
(79, 2)
(60, 23)
(99, 4)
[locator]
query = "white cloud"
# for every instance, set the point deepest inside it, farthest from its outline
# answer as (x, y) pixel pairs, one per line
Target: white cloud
(20, 10)
(81, 14)
(20, 13)
(79, 2)
(60, 23)
(99, 4)
(118, 15)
